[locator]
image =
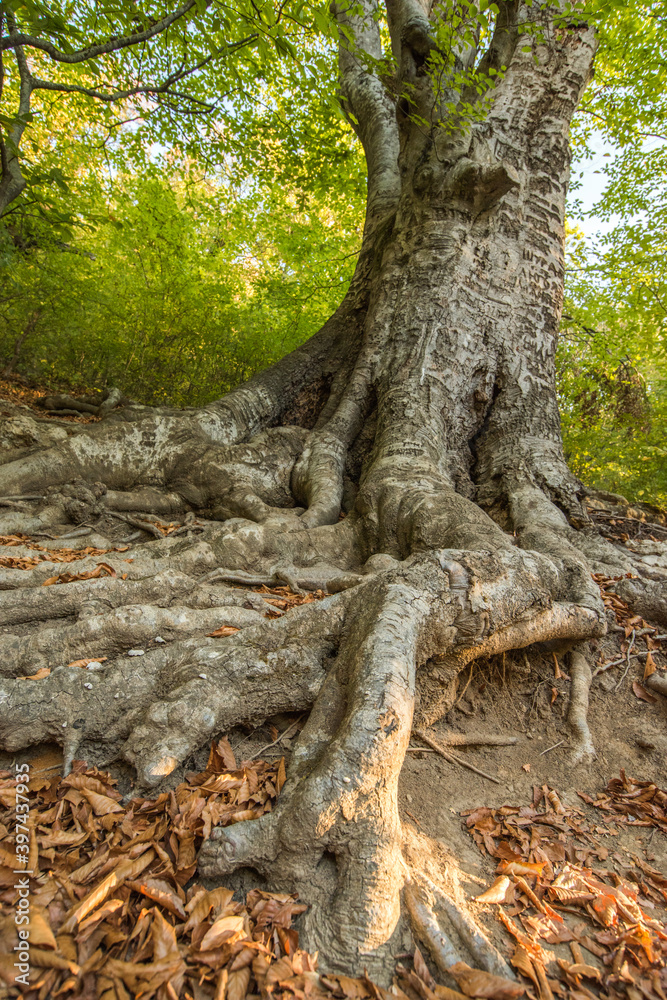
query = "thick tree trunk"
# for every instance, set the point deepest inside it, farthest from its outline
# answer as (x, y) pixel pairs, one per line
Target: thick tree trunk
(425, 410)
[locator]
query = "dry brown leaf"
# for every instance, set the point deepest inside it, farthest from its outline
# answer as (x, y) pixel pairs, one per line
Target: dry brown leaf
(422, 969)
(41, 934)
(102, 804)
(107, 909)
(557, 671)
(203, 902)
(224, 630)
(642, 693)
(523, 961)
(51, 960)
(476, 983)
(649, 667)
(162, 893)
(445, 993)
(520, 867)
(237, 984)
(228, 929)
(281, 777)
(102, 569)
(41, 673)
(221, 757)
(221, 986)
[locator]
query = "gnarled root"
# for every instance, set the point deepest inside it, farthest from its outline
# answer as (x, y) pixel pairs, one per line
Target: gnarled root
(182, 694)
(460, 939)
(335, 833)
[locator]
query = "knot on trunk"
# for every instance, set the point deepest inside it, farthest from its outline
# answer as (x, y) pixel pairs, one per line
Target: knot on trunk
(480, 186)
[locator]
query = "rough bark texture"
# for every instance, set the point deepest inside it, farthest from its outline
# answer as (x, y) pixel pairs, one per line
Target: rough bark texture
(436, 433)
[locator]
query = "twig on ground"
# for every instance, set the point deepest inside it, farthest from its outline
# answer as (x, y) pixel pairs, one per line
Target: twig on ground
(472, 740)
(281, 737)
(542, 752)
(625, 672)
(451, 757)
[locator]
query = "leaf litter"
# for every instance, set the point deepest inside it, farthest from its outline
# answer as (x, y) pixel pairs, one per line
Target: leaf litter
(116, 911)
(45, 554)
(636, 629)
(548, 891)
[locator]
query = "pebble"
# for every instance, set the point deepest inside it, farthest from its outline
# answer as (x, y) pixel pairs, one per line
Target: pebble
(158, 638)
(136, 652)
(346, 780)
(204, 677)
(88, 686)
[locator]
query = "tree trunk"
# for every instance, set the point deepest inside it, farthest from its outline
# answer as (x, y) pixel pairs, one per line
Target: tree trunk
(425, 411)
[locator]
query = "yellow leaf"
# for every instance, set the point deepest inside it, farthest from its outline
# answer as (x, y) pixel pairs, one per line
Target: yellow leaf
(496, 892)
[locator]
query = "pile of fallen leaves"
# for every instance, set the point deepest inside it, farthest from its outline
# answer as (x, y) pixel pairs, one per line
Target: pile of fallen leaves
(545, 876)
(112, 905)
(641, 802)
(47, 555)
(637, 630)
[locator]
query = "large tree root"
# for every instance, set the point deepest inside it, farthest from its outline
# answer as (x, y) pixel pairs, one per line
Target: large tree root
(424, 579)
(335, 832)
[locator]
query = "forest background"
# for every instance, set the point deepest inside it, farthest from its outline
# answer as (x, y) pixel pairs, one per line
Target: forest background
(172, 247)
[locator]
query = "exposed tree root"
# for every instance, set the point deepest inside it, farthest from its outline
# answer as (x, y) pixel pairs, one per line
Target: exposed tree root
(577, 712)
(339, 802)
(464, 935)
(418, 577)
(646, 597)
(657, 682)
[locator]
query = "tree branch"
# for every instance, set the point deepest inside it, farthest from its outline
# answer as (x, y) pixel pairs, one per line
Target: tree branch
(12, 181)
(503, 42)
(13, 40)
(148, 89)
(368, 106)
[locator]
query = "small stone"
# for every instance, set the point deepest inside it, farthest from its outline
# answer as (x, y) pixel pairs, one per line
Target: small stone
(116, 695)
(136, 652)
(158, 638)
(64, 725)
(346, 780)
(409, 798)
(88, 686)
(203, 677)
